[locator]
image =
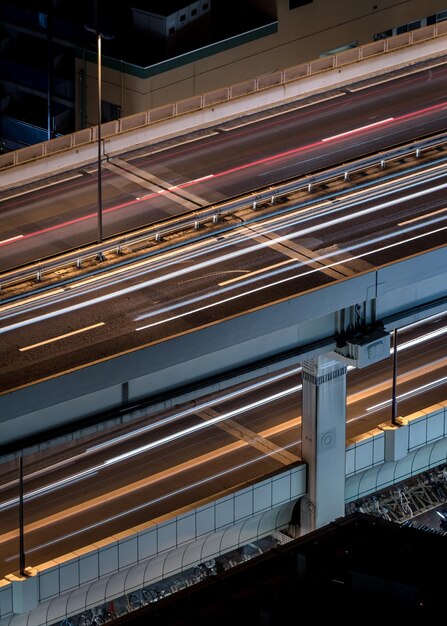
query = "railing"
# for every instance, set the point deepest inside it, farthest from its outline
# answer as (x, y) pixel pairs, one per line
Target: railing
(214, 213)
(225, 94)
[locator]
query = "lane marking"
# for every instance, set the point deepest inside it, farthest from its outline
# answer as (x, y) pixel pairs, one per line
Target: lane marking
(421, 217)
(57, 182)
(358, 130)
(260, 271)
(155, 183)
(299, 253)
(74, 332)
(252, 438)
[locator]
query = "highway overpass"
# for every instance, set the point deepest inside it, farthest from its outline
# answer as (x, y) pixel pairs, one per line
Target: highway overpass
(320, 276)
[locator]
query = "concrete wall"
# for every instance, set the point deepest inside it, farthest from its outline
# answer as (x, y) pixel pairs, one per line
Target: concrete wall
(293, 83)
(422, 443)
(140, 544)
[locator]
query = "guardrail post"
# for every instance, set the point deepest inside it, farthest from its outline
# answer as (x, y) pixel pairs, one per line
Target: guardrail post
(310, 187)
(38, 276)
(254, 205)
(196, 225)
(418, 153)
(346, 176)
(216, 217)
(272, 199)
(158, 237)
(382, 164)
(78, 263)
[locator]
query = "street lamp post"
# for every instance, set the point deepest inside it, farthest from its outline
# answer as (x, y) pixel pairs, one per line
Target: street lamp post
(99, 140)
(99, 37)
(394, 385)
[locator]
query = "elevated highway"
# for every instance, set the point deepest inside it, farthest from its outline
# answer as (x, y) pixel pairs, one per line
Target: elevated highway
(319, 282)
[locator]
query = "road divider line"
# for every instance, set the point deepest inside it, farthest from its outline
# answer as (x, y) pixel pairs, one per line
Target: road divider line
(252, 438)
(73, 332)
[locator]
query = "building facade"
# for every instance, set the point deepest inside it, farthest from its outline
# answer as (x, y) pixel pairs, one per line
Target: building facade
(155, 52)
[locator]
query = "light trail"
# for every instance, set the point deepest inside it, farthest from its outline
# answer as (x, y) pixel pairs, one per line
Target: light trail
(199, 406)
(410, 394)
(199, 250)
(421, 322)
(256, 163)
(237, 253)
(154, 444)
(190, 411)
(273, 284)
(354, 131)
(139, 507)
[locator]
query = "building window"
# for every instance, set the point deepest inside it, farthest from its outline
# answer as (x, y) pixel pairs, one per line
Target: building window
(205, 6)
(171, 30)
(193, 12)
(42, 19)
(384, 34)
(294, 4)
(183, 17)
(110, 111)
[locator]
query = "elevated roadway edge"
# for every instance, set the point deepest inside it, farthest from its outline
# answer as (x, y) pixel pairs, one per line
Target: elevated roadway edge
(260, 340)
(320, 77)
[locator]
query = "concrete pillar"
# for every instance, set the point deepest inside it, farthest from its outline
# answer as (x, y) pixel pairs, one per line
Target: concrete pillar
(25, 591)
(323, 441)
(396, 439)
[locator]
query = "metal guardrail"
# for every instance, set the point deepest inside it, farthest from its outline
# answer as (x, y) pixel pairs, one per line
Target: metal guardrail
(212, 214)
(218, 96)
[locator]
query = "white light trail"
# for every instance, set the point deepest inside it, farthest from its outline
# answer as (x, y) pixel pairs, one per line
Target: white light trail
(426, 320)
(276, 283)
(154, 444)
(211, 422)
(410, 394)
(358, 130)
(427, 337)
(200, 406)
(161, 498)
(214, 261)
(11, 239)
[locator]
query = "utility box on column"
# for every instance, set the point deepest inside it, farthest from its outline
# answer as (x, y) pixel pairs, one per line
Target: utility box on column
(364, 349)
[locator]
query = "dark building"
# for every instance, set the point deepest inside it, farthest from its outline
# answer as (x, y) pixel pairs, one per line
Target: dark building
(42, 95)
(157, 52)
(355, 569)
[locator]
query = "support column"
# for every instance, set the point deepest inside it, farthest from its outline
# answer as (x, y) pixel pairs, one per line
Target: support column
(323, 441)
